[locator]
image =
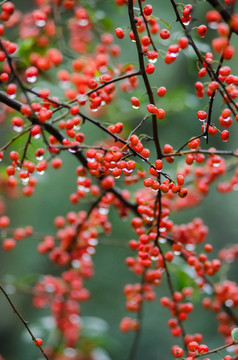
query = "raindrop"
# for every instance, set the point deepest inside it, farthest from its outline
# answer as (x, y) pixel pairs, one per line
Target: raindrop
(18, 129)
(12, 96)
(103, 211)
(190, 247)
(76, 264)
(25, 181)
(50, 288)
(74, 319)
(235, 187)
(93, 242)
(162, 240)
(91, 250)
(40, 23)
(83, 22)
(152, 61)
(229, 302)
(186, 23)
(70, 353)
(31, 79)
(64, 84)
(72, 150)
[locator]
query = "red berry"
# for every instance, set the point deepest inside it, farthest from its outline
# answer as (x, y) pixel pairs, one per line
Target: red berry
(164, 34)
(150, 68)
(119, 33)
(147, 10)
(225, 135)
(38, 342)
(202, 30)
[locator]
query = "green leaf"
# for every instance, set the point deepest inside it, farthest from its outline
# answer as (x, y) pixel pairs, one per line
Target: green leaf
(234, 335)
(165, 23)
(139, 167)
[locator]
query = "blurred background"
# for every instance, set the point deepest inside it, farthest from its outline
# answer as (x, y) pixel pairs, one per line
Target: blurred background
(103, 312)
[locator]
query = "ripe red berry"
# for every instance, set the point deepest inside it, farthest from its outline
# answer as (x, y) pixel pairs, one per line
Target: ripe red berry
(161, 91)
(119, 33)
(135, 102)
(38, 342)
(202, 30)
(164, 34)
(147, 10)
(225, 135)
(150, 68)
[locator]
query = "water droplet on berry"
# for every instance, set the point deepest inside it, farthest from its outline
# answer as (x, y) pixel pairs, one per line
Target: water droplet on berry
(25, 181)
(152, 61)
(229, 302)
(76, 264)
(41, 172)
(70, 352)
(186, 23)
(190, 247)
(235, 187)
(213, 25)
(162, 240)
(31, 79)
(18, 129)
(93, 242)
(40, 23)
(12, 96)
(91, 250)
(83, 22)
(50, 288)
(103, 211)
(64, 84)
(72, 150)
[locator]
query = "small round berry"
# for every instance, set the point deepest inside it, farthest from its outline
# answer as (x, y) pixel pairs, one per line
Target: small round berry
(119, 33)
(202, 30)
(225, 135)
(150, 68)
(161, 91)
(164, 34)
(147, 10)
(38, 342)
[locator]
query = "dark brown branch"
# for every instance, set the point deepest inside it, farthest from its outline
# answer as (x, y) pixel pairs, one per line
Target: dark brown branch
(23, 321)
(214, 351)
(144, 75)
(224, 13)
(147, 27)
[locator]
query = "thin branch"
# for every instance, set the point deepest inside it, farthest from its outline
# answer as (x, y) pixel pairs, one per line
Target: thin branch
(224, 13)
(144, 75)
(23, 321)
(214, 351)
(201, 151)
(4, 147)
(147, 27)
